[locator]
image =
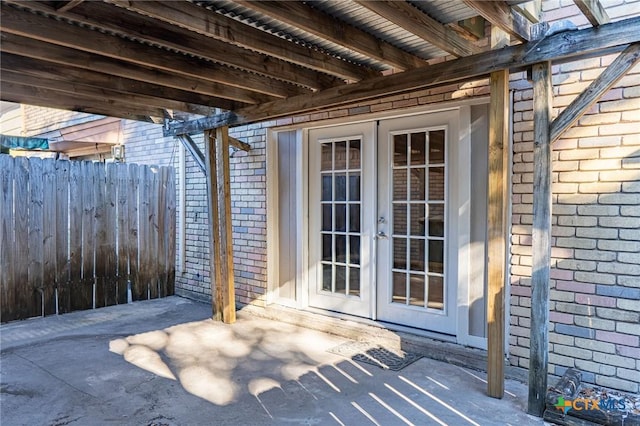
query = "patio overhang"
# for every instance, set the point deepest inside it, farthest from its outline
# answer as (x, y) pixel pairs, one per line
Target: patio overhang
(179, 61)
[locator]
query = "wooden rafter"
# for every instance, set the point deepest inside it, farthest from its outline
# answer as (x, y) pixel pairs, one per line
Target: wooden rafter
(502, 16)
(315, 22)
(594, 12)
(68, 5)
(605, 81)
(23, 23)
(38, 96)
(47, 73)
(558, 47)
(198, 19)
(172, 78)
(413, 20)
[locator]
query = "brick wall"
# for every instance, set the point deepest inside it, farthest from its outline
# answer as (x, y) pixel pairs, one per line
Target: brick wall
(595, 276)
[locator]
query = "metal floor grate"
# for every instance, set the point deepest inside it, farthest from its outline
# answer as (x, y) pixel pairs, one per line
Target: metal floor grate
(376, 355)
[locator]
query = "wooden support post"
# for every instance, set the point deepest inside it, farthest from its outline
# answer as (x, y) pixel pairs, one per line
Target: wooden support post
(220, 231)
(496, 230)
(540, 238)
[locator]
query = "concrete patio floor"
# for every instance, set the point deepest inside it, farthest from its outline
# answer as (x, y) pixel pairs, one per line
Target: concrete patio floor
(164, 362)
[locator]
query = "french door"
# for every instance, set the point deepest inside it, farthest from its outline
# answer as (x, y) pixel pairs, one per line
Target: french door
(416, 285)
(341, 163)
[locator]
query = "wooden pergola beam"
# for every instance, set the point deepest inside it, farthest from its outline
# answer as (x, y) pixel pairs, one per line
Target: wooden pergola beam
(500, 14)
(110, 18)
(598, 87)
(220, 27)
(26, 24)
(195, 152)
(319, 24)
(238, 144)
(593, 11)
(557, 47)
(220, 229)
(28, 71)
(59, 56)
(422, 25)
(18, 93)
(540, 239)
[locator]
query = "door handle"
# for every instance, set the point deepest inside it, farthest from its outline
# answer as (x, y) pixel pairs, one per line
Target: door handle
(382, 236)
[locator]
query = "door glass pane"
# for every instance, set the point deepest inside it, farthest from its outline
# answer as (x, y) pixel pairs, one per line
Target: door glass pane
(354, 250)
(399, 294)
(400, 219)
(327, 278)
(341, 248)
(417, 219)
(399, 184)
(436, 293)
(436, 220)
(400, 150)
(326, 217)
(417, 184)
(416, 290)
(326, 161)
(341, 187)
(341, 279)
(340, 161)
(400, 253)
(436, 256)
(354, 281)
(327, 247)
(354, 186)
(326, 188)
(354, 217)
(436, 183)
(416, 254)
(418, 148)
(436, 147)
(341, 217)
(354, 154)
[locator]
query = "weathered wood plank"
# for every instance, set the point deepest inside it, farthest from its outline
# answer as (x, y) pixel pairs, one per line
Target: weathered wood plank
(170, 226)
(109, 244)
(62, 236)
(24, 294)
(32, 292)
(239, 144)
(540, 239)
(605, 81)
(422, 25)
(144, 233)
(162, 231)
(212, 216)
(49, 237)
(593, 11)
(558, 47)
(100, 232)
(193, 149)
(7, 239)
(154, 232)
(68, 5)
(78, 299)
(500, 14)
(136, 284)
(123, 232)
(226, 29)
(496, 230)
(311, 20)
(87, 291)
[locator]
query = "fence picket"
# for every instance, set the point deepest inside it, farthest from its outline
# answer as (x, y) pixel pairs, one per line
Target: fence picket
(7, 295)
(49, 236)
(35, 288)
(153, 255)
(24, 298)
(76, 213)
(123, 233)
(88, 240)
(170, 227)
(62, 236)
(134, 266)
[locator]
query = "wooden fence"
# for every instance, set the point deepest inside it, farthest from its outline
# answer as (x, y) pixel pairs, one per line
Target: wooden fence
(81, 235)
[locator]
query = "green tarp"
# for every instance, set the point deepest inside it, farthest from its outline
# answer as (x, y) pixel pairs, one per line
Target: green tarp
(19, 142)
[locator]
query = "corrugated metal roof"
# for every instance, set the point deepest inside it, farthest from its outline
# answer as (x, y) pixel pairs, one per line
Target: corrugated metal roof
(445, 11)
